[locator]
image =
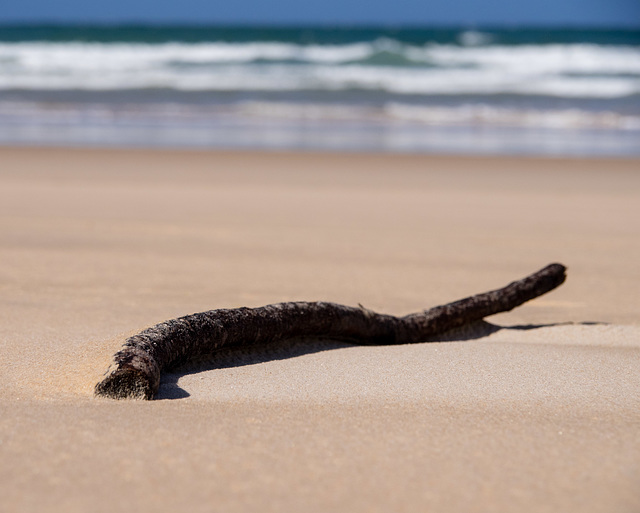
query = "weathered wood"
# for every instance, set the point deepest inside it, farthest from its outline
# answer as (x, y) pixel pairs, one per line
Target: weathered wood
(135, 371)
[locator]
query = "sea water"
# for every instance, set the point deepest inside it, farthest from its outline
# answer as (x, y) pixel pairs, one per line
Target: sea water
(497, 91)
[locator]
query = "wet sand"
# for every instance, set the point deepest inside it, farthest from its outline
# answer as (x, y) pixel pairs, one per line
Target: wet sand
(537, 411)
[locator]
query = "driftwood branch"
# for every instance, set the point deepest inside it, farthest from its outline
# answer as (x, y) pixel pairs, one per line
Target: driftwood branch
(135, 371)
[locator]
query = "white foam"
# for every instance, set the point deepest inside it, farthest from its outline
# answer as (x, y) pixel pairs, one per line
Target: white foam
(474, 38)
(578, 70)
(392, 113)
(479, 114)
(535, 59)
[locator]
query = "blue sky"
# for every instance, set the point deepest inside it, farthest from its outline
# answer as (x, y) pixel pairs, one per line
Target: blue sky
(396, 12)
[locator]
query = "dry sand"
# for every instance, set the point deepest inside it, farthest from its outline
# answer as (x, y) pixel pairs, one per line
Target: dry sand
(539, 411)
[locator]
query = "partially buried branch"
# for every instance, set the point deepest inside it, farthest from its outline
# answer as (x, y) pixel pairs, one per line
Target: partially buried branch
(135, 371)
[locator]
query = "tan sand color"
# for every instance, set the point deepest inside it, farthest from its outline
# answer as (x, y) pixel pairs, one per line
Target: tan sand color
(537, 411)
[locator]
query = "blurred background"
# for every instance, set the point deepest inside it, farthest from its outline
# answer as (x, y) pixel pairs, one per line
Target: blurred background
(493, 77)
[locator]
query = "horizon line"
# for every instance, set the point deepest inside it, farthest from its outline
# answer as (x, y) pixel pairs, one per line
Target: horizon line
(316, 25)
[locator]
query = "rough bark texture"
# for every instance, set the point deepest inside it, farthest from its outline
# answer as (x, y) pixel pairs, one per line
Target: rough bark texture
(135, 371)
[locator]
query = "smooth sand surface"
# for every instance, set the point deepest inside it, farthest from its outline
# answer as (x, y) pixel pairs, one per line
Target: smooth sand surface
(537, 411)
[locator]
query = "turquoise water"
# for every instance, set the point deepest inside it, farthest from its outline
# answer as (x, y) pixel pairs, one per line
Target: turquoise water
(454, 90)
(156, 34)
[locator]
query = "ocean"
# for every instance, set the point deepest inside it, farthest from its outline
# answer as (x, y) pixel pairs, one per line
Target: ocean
(569, 92)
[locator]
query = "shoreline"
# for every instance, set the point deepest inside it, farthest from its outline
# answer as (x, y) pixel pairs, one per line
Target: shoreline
(436, 141)
(302, 151)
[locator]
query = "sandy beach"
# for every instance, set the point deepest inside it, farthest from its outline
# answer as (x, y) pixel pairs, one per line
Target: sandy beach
(537, 411)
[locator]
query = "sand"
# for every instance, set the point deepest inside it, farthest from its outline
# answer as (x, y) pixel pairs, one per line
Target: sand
(537, 411)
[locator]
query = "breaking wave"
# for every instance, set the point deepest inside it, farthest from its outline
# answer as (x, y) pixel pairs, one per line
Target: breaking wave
(559, 70)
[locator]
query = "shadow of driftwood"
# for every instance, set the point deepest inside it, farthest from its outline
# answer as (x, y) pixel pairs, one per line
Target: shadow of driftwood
(238, 357)
(525, 327)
